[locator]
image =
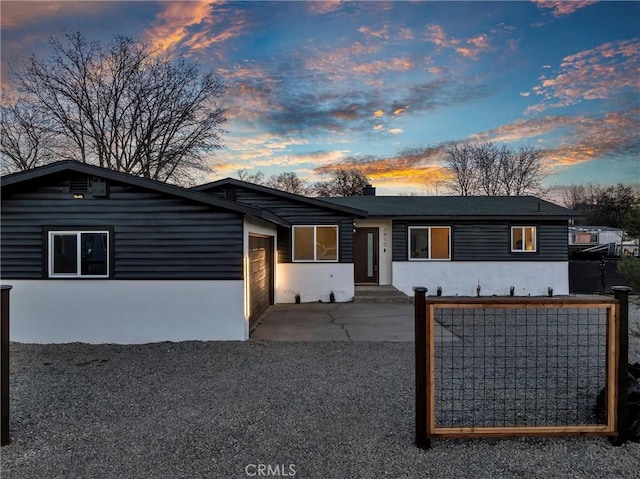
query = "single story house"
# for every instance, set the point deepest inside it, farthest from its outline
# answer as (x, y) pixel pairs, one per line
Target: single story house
(100, 256)
(460, 243)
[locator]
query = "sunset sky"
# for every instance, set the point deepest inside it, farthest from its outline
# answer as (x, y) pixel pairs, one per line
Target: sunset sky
(383, 86)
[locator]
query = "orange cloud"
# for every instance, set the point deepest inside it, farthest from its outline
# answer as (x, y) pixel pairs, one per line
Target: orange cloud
(191, 24)
(598, 73)
(382, 33)
(476, 45)
(469, 48)
(435, 34)
(580, 138)
(338, 63)
(527, 128)
(406, 34)
(378, 113)
(397, 64)
(171, 25)
(204, 39)
(418, 168)
(563, 7)
(324, 6)
(615, 134)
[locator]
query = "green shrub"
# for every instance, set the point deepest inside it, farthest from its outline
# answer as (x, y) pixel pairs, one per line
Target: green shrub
(629, 267)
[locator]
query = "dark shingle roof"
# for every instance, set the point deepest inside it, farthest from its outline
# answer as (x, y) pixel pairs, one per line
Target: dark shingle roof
(454, 206)
(283, 194)
(21, 177)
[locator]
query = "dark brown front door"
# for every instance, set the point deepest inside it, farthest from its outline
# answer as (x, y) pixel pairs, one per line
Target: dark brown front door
(260, 276)
(365, 255)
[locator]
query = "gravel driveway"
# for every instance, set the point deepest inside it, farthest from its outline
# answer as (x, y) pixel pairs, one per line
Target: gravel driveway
(232, 410)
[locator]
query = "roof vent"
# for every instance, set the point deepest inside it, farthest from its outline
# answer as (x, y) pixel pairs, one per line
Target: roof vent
(79, 184)
(230, 193)
(368, 190)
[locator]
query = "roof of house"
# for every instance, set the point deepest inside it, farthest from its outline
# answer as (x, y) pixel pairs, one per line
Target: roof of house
(187, 194)
(454, 206)
(352, 210)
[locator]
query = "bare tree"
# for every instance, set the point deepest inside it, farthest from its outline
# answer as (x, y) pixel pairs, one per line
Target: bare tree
(492, 170)
(289, 182)
(255, 178)
(345, 182)
(459, 163)
(26, 137)
(488, 160)
(523, 171)
(120, 107)
(582, 196)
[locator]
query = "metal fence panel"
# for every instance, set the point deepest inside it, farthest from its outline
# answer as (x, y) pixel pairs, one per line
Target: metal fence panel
(518, 366)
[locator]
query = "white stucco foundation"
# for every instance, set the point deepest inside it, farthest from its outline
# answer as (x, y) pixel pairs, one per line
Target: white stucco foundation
(495, 278)
(314, 282)
(126, 312)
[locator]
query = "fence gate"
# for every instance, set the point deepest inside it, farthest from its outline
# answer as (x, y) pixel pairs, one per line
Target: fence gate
(518, 366)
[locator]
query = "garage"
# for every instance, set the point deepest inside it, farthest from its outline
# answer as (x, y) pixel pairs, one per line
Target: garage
(260, 276)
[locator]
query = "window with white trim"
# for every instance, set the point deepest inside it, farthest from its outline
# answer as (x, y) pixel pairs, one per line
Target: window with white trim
(429, 243)
(523, 239)
(315, 243)
(83, 254)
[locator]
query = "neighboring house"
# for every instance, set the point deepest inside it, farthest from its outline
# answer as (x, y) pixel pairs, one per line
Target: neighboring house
(461, 242)
(99, 256)
(604, 239)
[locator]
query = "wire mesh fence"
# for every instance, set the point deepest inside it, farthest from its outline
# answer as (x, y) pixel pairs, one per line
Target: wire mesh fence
(518, 366)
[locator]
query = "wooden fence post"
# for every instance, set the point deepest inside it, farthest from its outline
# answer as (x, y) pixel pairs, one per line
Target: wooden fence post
(621, 293)
(420, 312)
(4, 365)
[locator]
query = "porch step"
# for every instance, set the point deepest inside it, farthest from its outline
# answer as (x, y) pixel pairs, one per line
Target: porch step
(379, 294)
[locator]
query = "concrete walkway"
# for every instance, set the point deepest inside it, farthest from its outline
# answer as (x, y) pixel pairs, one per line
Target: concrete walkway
(340, 322)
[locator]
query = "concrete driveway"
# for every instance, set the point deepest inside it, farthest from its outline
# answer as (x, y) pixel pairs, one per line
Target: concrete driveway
(338, 322)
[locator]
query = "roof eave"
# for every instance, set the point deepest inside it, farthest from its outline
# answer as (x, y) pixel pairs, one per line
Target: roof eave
(284, 194)
(60, 167)
(472, 217)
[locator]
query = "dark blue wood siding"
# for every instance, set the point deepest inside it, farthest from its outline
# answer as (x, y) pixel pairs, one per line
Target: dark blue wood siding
(490, 241)
(296, 213)
(155, 236)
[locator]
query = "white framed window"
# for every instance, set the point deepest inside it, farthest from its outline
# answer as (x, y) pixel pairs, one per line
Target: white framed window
(78, 254)
(523, 239)
(428, 243)
(315, 243)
